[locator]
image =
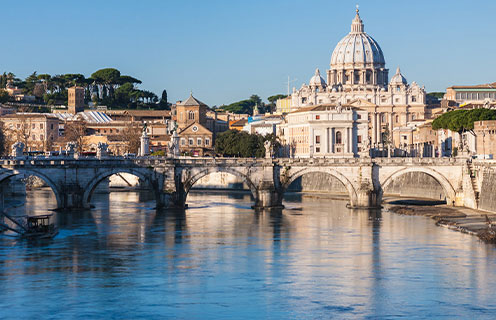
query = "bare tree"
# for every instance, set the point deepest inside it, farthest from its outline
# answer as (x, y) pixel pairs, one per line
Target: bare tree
(75, 131)
(131, 137)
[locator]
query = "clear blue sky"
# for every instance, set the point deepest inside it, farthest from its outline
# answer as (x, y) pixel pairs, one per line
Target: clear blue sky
(226, 50)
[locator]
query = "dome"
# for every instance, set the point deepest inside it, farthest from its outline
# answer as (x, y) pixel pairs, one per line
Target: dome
(398, 78)
(317, 80)
(357, 48)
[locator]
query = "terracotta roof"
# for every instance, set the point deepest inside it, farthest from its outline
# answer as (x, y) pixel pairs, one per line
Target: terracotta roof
(239, 123)
(321, 107)
(478, 86)
(191, 101)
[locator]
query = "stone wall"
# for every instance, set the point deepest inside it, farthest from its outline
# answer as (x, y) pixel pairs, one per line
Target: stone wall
(317, 182)
(487, 200)
(415, 184)
(220, 180)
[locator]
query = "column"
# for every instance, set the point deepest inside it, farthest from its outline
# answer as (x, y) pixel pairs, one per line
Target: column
(333, 139)
(350, 140)
(379, 135)
(391, 127)
(374, 128)
(326, 140)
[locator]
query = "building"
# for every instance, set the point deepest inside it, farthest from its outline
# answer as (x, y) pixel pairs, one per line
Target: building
(263, 125)
(326, 131)
(37, 131)
(485, 132)
(196, 131)
(358, 77)
(283, 105)
(472, 94)
(75, 99)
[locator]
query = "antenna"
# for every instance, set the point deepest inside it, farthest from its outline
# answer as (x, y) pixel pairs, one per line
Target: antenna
(289, 82)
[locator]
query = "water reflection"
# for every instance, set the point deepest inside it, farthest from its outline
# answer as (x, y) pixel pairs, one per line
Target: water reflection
(220, 258)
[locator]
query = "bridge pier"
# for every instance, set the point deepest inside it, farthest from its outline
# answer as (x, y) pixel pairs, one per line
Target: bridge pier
(268, 196)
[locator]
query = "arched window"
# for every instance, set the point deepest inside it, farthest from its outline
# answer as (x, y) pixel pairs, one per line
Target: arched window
(338, 137)
(191, 115)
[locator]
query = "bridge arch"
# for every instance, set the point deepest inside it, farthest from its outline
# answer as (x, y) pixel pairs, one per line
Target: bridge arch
(190, 182)
(91, 186)
(30, 172)
(449, 190)
(330, 171)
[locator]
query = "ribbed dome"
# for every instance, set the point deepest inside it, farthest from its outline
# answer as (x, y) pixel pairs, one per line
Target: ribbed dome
(398, 78)
(357, 48)
(317, 80)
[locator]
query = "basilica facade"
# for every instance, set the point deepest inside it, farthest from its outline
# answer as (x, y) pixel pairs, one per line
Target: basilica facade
(358, 77)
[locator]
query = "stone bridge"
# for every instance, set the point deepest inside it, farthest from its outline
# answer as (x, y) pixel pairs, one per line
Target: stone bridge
(73, 181)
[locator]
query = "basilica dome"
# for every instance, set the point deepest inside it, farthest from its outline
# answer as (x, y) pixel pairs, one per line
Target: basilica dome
(357, 49)
(317, 80)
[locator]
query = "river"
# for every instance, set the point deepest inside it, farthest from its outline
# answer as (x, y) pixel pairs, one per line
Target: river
(220, 259)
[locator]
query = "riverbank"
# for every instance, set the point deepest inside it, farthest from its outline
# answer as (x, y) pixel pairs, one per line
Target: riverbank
(466, 220)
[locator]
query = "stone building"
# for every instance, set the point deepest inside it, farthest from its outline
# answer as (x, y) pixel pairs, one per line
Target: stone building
(471, 94)
(37, 131)
(325, 131)
(196, 131)
(485, 132)
(358, 77)
(75, 99)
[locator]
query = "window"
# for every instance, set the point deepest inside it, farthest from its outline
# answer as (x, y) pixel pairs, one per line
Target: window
(183, 142)
(398, 88)
(207, 141)
(191, 115)
(414, 99)
(33, 125)
(317, 139)
(383, 118)
(41, 125)
(359, 116)
(18, 126)
(51, 126)
(317, 117)
(397, 119)
(338, 137)
(359, 139)
(190, 140)
(397, 100)
(317, 149)
(33, 137)
(41, 137)
(199, 141)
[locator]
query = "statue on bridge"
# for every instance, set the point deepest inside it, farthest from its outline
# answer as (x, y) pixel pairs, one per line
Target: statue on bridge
(268, 149)
(70, 148)
(101, 149)
(17, 149)
(173, 146)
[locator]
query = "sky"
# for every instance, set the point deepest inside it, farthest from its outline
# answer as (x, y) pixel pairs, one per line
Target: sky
(226, 50)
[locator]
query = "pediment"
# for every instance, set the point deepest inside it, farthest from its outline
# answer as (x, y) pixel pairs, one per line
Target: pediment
(360, 103)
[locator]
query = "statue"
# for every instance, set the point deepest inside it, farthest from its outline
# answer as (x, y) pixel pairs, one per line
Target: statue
(101, 149)
(339, 107)
(173, 145)
(365, 151)
(487, 104)
(70, 148)
(17, 149)
(268, 151)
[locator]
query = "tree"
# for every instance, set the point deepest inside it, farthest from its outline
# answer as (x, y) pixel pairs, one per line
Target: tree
(131, 136)
(4, 96)
(235, 143)
(462, 120)
(274, 98)
(2, 140)
(75, 131)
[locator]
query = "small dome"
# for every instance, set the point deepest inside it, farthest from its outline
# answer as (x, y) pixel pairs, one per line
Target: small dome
(317, 80)
(398, 78)
(357, 48)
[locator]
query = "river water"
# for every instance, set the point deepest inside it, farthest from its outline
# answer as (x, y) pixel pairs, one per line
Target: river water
(220, 259)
